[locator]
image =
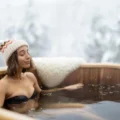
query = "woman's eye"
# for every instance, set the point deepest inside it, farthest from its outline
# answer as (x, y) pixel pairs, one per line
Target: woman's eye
(21, 54)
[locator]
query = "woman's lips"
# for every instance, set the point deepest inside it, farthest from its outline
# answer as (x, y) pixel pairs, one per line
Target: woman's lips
(28, 62)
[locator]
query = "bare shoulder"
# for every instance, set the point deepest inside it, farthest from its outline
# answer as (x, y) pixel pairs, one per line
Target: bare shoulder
(4, 80)
(31, 76)
(3, 84)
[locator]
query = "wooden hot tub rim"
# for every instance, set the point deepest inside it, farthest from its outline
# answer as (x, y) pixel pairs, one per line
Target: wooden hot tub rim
(97, 73)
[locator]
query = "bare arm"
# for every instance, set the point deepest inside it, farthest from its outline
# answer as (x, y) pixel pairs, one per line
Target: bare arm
(2, 93)
(68, 88)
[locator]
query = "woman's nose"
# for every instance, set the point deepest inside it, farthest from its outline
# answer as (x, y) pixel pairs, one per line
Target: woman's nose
(28, 56)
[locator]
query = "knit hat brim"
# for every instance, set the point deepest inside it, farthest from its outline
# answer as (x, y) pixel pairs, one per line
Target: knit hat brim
(12, 47)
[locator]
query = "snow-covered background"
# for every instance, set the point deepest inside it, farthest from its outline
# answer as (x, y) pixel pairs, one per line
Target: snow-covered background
(69, 28)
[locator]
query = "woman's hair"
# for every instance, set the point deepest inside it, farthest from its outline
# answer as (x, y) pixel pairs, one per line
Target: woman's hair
(13, 65)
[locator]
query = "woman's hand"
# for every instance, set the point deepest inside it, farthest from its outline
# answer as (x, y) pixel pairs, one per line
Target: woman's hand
(74, 87)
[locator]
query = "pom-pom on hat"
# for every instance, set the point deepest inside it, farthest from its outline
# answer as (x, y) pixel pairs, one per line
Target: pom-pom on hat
(10, 46)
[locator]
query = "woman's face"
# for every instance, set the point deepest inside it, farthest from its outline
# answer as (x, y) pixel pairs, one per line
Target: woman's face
(23, 57)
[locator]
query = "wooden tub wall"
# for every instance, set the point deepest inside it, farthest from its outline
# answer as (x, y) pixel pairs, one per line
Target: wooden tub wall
(106, 74)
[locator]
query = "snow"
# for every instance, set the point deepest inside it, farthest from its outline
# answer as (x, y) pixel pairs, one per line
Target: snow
(71, 28)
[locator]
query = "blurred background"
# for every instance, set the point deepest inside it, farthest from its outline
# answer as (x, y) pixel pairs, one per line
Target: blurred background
(64, 28)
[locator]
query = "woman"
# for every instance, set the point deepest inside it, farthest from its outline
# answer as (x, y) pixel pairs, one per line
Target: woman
(19, 89)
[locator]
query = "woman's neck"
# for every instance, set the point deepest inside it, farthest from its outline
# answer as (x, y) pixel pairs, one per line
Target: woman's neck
(19, 74)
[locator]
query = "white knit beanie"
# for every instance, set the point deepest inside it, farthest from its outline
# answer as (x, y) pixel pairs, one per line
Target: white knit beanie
(11, 46)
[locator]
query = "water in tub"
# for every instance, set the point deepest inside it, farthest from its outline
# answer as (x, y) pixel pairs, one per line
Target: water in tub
(99, 103)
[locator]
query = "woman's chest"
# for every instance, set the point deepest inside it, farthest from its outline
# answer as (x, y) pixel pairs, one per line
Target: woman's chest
(21, 87)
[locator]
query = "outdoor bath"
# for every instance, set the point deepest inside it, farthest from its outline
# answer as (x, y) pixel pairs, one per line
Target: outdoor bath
(99, 99)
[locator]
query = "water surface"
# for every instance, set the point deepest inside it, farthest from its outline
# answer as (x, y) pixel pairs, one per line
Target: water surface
(101, 102)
